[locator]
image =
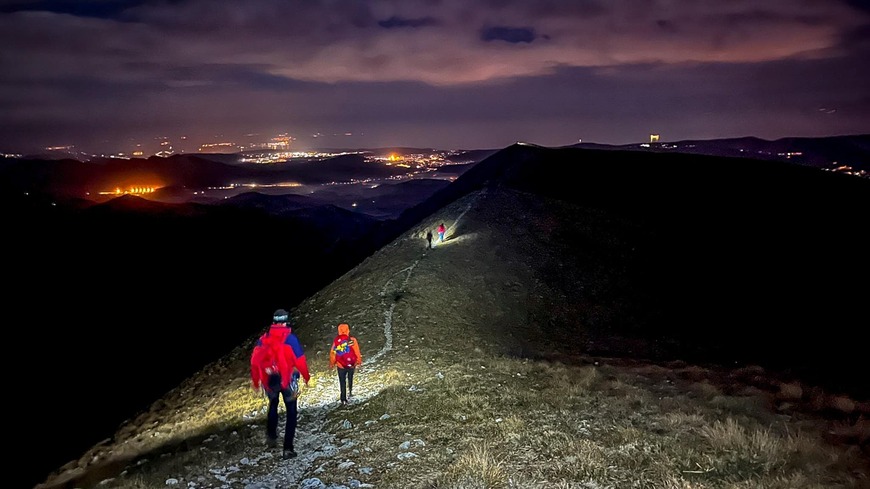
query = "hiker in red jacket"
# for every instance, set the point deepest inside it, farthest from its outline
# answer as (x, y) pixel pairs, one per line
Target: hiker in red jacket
(345, 355)
(441, 231)
(277, 362)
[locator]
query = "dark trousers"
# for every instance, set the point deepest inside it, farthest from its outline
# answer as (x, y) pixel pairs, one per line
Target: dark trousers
(289, 396)
(345, 382)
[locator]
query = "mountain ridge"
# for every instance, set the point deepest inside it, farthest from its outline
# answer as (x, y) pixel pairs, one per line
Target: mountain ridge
(534, 270)
(844, 153)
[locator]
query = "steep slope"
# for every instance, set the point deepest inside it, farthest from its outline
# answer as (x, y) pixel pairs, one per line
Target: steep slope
(530, 343)
(102, 295)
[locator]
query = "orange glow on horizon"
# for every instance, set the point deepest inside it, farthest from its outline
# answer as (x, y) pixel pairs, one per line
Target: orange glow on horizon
(132, 190)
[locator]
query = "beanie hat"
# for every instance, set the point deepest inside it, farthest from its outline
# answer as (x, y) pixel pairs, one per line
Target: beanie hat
(280, 316)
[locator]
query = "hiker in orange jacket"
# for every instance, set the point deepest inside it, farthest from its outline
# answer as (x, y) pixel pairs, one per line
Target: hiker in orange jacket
(345, 355)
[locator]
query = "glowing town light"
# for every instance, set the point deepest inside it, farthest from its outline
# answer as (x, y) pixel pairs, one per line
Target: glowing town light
(137, 190)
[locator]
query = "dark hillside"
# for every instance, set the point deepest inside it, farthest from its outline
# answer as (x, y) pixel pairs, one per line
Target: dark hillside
(71, 178)
(821, 152)
(385, 200)
(127, 298)
(343, 168)
(271, 204)
(769, 257)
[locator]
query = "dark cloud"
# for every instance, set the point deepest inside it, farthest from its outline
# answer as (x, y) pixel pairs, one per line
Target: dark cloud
(81, 8)
(395, 21)
(508, 34)
(858, 38)
(863, 5)
(666, 25)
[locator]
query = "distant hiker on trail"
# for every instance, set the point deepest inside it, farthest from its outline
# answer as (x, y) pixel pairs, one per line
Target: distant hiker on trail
(441, 231)
(345, 355)
(276, 364)
(429, 238)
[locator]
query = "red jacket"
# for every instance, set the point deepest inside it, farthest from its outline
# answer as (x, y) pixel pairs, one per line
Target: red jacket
(292, 357)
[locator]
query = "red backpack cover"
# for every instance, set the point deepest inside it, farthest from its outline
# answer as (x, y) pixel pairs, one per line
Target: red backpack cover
(344, 354)
(271, 356)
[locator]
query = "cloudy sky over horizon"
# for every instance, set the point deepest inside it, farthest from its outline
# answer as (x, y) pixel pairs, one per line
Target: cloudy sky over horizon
(431, 73)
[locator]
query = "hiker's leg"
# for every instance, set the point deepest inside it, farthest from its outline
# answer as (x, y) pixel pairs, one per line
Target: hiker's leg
(272, 417)
(290, 426)
(350, 372)
(272, 393)
(342, 379)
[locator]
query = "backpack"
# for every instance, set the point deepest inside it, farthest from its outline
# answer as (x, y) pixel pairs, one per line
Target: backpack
(344, 354)
(273, 358)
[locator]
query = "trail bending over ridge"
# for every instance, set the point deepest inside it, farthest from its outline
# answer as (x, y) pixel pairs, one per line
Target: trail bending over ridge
(314, 442)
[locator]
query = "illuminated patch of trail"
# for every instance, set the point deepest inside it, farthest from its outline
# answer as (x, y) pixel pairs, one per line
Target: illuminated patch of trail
(388, 312)
(461, 214)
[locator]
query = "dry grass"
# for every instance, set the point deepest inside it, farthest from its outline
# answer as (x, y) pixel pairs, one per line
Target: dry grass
(499, 422)
(581, 427)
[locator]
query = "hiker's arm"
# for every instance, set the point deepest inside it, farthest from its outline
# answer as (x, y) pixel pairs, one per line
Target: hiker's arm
(301, 365)
(256, 381)
(355, 346)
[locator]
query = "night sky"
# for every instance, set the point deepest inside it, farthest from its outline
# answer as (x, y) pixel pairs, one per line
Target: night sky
(429, 73)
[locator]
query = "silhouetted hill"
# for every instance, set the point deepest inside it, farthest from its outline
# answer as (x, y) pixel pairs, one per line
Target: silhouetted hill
(135, 204)
(848, 153)
(71, 178)
(66, 178)
(271, 204)
(133, 295)
(384, 200)
(471, 155)
(338, 169)
(767, 255)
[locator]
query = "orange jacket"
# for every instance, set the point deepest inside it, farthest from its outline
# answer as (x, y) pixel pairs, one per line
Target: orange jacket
(344, 330)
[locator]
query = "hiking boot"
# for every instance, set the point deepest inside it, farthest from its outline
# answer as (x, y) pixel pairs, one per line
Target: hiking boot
(271, 442)
(288, 454)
